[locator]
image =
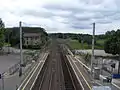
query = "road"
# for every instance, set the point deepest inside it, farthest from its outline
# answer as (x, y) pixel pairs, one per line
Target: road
(7, 61)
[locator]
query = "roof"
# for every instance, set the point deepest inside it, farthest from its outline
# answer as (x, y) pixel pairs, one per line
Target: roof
(29, 29)
(31, 34)
(32, 29)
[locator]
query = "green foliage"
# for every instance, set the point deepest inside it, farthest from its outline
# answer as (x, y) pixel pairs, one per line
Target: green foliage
(87, 39)
(1, 24)
(32, 47)
(99, 44)
(100, 41)
(100, 37)
(87, 58)
(1, 40)
(14, 34)
(74, 44)
(2, 31)
(112, 44)
(60, 35)
(109, 33)
(80, 40)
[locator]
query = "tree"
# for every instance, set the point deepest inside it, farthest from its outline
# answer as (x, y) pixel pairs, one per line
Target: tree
(79, 39)
(112, 44)
(109, 33)
(86, 39)
(2, 30)
(1, 24)
(14, 36)
(60, 35)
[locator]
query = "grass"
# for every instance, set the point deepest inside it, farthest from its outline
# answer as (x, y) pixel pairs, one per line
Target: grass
(101, 42)
(74, 44)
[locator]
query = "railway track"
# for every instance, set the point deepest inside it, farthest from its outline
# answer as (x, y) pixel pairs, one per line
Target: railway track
(56, 73)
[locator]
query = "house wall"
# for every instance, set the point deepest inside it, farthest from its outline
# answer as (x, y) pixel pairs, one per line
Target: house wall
(32, 40)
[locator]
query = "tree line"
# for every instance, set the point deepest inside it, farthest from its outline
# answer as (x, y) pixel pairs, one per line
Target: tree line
(12, 35)
(86, 38)
(2, 33)
(111, 44)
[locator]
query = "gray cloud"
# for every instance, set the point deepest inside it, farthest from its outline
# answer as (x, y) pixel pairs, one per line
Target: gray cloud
(44, 14)
(63, 14)
(81, 18)
(115, 16)
(64, 8)
(103, 21)
(81, 27)
(84, 14)
(108, 13)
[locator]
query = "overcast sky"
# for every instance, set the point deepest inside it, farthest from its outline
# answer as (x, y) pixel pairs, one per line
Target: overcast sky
(74, 16)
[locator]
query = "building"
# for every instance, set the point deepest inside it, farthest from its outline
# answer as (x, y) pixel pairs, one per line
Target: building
(32, 39)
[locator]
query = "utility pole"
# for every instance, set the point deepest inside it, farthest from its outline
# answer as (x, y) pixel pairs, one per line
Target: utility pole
(2, 79)
(93, 42)
(8, 44)
(21, 54)
(82, 44)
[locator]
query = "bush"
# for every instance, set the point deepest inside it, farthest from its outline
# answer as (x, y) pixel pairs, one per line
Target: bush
(32, 47)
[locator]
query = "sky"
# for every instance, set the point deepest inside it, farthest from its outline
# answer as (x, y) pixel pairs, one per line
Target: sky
(66, 16)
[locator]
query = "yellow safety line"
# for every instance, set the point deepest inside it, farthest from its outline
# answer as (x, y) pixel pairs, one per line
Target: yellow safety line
(83, 76)
(39, 72)
(75, 72)
(32, 75)
(27, 76)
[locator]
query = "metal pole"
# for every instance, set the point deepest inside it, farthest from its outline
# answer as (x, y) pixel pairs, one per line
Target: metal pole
(82, 44)
(93, 39)
(21, 54)
(102, 67)
(2, 78)
(8, 44)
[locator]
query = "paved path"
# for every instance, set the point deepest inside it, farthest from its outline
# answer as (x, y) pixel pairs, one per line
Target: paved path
(7, 61)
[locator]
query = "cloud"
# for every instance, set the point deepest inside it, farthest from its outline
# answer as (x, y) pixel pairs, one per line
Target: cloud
(81, 27)
(37, 13)
(62, 15)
